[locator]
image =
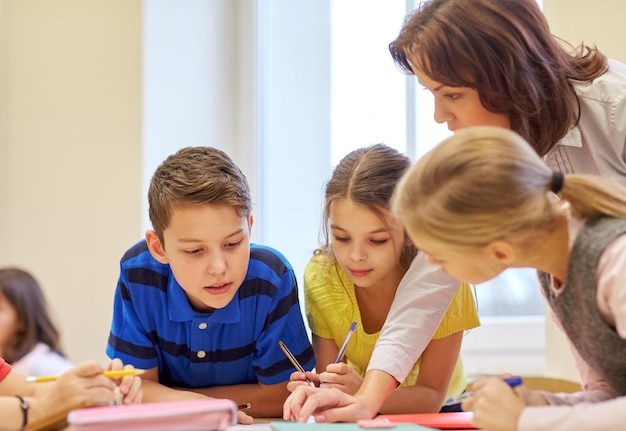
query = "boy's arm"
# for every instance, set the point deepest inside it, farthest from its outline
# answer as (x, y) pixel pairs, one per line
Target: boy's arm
(265, 400)
(153, 391)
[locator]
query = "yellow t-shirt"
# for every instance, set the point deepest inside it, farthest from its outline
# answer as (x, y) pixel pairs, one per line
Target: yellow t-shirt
(331, 306)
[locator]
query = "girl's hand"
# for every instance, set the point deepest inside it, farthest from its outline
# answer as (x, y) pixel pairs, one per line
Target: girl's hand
(496, 406)
(129, 386)
(532, 398)
(325, 405)
(80, 386)
(243, 418)
(341, 376)
(298, 379)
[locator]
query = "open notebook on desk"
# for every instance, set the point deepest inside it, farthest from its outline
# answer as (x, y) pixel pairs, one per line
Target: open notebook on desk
(370, 426)
(442, 421)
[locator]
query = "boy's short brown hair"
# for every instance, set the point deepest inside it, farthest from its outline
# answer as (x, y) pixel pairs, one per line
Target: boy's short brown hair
(196, 176)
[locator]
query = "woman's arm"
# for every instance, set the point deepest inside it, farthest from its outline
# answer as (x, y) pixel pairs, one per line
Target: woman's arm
(421, 301)
(429, 392)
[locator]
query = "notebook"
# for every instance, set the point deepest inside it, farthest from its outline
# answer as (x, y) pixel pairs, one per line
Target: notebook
(185, 415)
(361, 426)
(443, 421)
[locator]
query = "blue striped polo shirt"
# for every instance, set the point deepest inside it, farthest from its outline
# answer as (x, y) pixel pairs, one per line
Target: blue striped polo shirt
(155, 326)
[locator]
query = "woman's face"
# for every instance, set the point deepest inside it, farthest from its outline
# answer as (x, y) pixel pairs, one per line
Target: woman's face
(459, 107)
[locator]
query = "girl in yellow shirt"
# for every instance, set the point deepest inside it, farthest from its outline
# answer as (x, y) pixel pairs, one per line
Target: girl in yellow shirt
(353, 277)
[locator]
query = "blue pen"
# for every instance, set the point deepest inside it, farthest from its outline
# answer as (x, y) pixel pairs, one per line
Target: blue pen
(511, 381)
(344, 346)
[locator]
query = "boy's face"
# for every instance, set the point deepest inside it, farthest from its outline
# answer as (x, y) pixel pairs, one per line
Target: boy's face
(208, 250)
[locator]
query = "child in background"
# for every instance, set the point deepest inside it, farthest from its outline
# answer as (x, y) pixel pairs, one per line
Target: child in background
(197, 305)
(29, 340)
(354, 277)
(25, 403)
(483, 201)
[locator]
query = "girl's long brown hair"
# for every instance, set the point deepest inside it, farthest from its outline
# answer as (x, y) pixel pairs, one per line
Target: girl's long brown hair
(366, 176)
(25, 294)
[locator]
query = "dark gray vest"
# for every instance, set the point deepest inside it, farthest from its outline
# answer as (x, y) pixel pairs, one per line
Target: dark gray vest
(597, 342)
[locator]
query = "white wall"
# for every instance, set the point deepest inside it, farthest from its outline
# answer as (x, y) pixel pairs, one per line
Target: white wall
(200, 84)
(594, 23)
(70, 153)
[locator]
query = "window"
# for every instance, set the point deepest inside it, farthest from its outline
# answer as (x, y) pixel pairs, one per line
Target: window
(371, 101)
(293, 88)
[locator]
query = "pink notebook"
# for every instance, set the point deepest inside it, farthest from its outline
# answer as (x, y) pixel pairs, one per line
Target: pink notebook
(187, 415)
(442, 421)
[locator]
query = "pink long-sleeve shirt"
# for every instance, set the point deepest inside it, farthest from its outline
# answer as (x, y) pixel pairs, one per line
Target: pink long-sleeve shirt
(596, 408)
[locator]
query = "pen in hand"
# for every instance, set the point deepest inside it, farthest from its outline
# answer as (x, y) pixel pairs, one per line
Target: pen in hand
(344, 345)
(294, 361)
(511, 381)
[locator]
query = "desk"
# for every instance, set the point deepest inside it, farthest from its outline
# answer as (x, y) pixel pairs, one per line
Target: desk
(262, 424)
(291, 426)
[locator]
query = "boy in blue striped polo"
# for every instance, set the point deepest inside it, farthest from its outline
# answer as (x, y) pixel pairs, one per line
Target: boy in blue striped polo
(197, 305)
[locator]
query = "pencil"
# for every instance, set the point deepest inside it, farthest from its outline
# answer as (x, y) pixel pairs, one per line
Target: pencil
(110, 374)
(244, 406)
(294, 361)
(346, 341)
(511, 381)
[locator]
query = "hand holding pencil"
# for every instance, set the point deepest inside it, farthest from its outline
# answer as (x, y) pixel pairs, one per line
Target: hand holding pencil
(338, 374)
(495, 401)
(126, 386)
(81, 386)
(128, 382)
(110, 374)
(294, 361)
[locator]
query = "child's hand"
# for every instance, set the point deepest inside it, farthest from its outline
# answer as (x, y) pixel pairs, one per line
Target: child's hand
(129, 387)
(83, 384)
(341, 376)
(495, 404)
(325, 405)
(243, 418)
(532, 398)
(298, 379)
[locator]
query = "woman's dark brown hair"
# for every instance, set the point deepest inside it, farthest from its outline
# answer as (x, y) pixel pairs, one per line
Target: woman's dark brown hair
(505, 51)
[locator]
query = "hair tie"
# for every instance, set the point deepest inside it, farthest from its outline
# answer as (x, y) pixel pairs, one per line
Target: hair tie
(557, 182)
